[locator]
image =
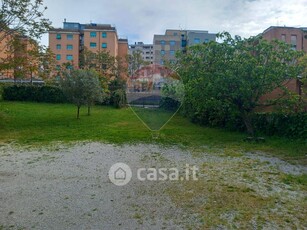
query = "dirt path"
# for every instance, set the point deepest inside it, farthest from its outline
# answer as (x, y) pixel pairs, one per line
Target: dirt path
(69, 188)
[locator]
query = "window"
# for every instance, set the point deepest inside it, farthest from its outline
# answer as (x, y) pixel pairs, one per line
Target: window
(206, 40)
(58, 46)
(93, 34)
(104, 45)
(58, 36)
(70, 36)
(162, 42)
(175, 34)
(58, 57)
(283, 37)
(104, 34)
(172, 43)
(172, 52)
(161, 62)
(69, 47)
(293, 42)
(162, 52)
(196, 40)
(93, 45)
(69, 57)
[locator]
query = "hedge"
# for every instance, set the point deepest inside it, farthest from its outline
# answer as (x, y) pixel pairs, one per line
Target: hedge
(288, 125)
(49, 94)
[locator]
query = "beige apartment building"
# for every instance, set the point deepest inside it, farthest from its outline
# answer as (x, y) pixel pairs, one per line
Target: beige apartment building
(15, 49)
(69, 42)
(166, 45)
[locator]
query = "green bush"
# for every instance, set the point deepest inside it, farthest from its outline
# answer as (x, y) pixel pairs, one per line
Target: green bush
(49, 94)
(288, 125)
(292, 125)
(118, 98)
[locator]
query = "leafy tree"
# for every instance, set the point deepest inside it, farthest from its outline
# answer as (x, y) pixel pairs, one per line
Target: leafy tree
(16, 57)
(230, 77)
(303, 63)
(112, 73)
(81, 88)
(47, 63)
(135, 62)
(93, 90)
(23, 17)
(100, 61)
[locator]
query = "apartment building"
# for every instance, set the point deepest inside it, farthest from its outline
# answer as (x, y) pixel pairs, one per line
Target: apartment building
(295, 36)
(15, 58)
(146, 50)
(70, 41)
(165, 46)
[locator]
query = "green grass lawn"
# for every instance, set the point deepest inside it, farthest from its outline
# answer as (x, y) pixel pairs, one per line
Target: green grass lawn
(37, 124)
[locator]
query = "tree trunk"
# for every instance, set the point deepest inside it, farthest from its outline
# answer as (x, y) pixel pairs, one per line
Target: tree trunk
(78, 112)
(248, 123)
(88, 109)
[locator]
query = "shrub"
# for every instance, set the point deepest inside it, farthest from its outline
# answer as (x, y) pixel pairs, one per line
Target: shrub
(288, 125)
(118, 98)
(49, 94)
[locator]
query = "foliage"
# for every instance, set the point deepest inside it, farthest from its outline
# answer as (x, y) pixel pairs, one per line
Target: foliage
(288, 125)
(226, 80)
(135, 61)
(118, 98)
(93, 90)
(49, 94)
(172, 94)
(23, 17)
(112, 72)
(81, 88)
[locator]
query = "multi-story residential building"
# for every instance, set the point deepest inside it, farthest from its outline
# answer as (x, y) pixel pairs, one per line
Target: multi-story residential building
(296, 37)
(15, 57)
(70, 41)
(166, 46)
(146, 50)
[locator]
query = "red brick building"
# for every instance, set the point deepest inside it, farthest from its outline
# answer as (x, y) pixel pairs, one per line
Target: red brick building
(297, 38)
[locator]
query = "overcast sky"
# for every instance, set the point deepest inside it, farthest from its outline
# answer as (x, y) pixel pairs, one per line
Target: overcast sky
(139, 20)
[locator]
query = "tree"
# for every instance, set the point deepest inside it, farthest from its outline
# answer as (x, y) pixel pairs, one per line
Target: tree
(112, 73)
(230, 77)
(81, 87)
(303, 63)
(23, 17)
(93, 90)
(135, 62)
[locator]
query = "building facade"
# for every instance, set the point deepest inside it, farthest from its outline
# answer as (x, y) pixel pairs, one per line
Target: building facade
(16, 57)
(146, 50)
(296, 37)
(69, 42)
(165, 46)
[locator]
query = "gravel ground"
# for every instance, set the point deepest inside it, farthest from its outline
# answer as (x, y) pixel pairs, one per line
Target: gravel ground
(67, 187)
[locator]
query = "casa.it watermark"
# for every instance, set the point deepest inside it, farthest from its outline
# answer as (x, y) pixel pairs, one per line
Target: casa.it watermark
(121, 174)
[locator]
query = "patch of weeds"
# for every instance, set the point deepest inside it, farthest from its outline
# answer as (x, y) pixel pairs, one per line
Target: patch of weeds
(44, 157)
(154, 156)
(211, 200)
(295, 180)
(232, 152)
